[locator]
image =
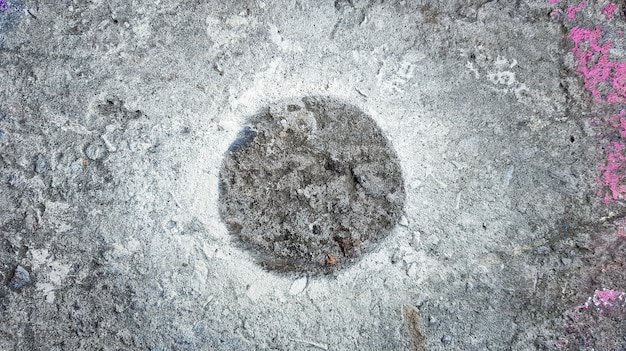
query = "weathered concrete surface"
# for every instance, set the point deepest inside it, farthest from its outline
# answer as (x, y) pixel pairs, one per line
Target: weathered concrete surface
(116, 116)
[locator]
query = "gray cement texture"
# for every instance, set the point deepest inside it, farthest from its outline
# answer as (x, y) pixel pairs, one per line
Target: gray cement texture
(117, 116)
(310, 184)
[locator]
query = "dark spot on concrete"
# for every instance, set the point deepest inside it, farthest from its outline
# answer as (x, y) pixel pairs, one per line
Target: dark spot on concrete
(348, 246)
(310, 185)
(411, 321)
(20, 279)
(316, 229)
(244, 137)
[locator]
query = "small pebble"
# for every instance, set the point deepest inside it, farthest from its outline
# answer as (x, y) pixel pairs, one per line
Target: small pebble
(20, 278)
(446, 339)
(403, 221)
(396, 257)
(566, 261)
(39, 163)
(95, 151)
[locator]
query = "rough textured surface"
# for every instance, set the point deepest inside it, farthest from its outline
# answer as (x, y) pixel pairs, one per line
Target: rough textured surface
(310, 184)
(115, 117)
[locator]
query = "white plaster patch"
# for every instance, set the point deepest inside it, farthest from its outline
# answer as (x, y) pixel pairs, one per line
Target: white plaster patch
(298, 286)
(39, 257)
(53, 273)
(502, 77)
(283, 44)
(257, 289)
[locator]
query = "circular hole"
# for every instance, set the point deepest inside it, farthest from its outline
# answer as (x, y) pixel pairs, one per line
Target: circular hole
(310, 185)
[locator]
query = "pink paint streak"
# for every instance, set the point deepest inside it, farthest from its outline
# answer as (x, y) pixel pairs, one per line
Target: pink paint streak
(571, 11)
(608, 10)
(605, 79)
(613, 171)
(621, 231)
(618, 121)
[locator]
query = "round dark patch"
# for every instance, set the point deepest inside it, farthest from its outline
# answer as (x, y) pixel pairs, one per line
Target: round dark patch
(310, 185)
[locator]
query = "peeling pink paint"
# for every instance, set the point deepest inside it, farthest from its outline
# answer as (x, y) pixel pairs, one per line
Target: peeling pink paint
(618, 121)
(600, 302)
(607, 297)
(598, 70)
(614, 171)
(602, 299)
(608, 10)
(594, 70)
(571, 11)
(621, 231)
(618, 83)
(605, 79)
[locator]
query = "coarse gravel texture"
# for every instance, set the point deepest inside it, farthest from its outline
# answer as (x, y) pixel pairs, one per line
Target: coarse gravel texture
(310, 185)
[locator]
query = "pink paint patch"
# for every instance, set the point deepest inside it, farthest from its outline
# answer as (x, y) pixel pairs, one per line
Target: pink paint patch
(571, 11)
(619, 33)
(605, 79)
(608, 10)
(606, 297)
(600, 299)
(618, 121)
(553, 1)
(614, 171)
(601, 302)
(598, 70)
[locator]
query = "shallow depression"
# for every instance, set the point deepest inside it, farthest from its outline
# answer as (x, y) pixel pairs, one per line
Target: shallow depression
(310, 185)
